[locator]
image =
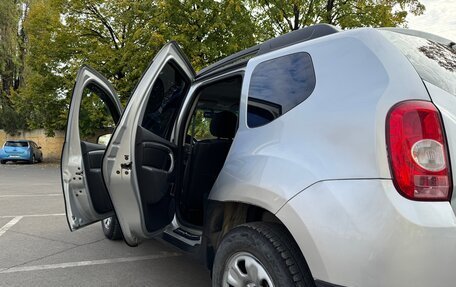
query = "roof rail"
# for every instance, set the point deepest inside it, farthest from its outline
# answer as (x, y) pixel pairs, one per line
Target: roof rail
(301, 35)
(247, 53)
(298, 36)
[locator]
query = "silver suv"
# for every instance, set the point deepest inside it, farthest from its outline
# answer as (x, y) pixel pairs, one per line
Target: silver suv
(318, 158)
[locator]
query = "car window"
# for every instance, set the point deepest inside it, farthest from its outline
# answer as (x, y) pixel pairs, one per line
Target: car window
(95, 116)
(200, 125)
(16, 144)
(279, 85)
(164, 101)
(434, 62)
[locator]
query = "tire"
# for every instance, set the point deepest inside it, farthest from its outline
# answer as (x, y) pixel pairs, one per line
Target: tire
(267, 247)
(111, 228)
(2, 161)
(32, 160)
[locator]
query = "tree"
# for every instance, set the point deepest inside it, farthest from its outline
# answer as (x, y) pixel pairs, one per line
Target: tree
(9, 19)
(278, 17)
(41, 97)
(208, 30)
(118, 38)
(12, 53)
(63, 35)
(44, 42)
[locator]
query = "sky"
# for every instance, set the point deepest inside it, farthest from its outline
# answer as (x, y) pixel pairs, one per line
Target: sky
(439, 18)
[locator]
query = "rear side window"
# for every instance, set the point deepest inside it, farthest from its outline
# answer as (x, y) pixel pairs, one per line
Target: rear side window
(434, 62)
(16, 144)
(279, 85)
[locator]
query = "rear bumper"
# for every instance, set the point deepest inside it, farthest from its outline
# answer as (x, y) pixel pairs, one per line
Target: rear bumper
(363, 233)
(15, 157)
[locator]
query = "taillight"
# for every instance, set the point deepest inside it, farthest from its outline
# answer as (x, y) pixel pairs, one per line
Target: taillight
(418, 153)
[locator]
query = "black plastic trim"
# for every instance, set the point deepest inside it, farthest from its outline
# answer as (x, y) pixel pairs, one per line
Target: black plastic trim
(298, 36)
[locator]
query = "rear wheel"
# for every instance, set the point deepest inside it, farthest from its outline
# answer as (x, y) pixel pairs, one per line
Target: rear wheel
(260, 254)
(2, 161)
(111, 228)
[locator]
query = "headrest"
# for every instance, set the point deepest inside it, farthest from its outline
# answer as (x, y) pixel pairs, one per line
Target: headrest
(223, 125)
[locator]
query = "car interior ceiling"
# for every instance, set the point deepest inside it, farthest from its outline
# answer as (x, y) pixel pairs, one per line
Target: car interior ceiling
(206, 157)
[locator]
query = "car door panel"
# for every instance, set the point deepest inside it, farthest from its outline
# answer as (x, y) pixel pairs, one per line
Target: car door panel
(138, 166)
(92, 155)
(86, 201)
(155, 163)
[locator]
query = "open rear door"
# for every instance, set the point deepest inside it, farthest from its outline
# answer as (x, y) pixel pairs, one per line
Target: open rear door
(139, 163)
(86, 197)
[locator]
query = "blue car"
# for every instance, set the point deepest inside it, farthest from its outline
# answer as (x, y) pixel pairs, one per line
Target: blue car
(21, 150)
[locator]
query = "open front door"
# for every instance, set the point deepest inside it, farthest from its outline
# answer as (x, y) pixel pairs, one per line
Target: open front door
(139, 163)
(86, 197)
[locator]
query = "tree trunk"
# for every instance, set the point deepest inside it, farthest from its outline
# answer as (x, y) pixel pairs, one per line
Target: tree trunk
(296, 25)
(329, 9)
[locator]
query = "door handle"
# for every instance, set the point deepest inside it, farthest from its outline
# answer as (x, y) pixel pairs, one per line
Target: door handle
(171, 157)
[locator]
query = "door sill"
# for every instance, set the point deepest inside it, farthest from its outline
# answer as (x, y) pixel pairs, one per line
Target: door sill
(189, 236)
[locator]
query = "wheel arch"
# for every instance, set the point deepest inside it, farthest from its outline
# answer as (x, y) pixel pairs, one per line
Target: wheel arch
(224, 216)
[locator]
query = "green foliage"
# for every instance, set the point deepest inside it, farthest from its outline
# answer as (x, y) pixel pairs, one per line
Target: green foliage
(278, 17)
(11, 120)
(63, 35)
(42, 98)
(44, 42)
(199, 127)
(9, 44)
(207, 30)
(94, 116)
(10, 65)
(119, 39)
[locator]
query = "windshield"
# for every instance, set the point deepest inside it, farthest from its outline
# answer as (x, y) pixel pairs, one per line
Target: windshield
(434, 62)
(16, 144)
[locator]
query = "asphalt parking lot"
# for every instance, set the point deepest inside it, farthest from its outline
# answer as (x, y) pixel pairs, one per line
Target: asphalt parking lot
(37, 248)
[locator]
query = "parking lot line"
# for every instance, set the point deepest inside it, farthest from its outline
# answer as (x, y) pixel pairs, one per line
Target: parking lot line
(33, 215)
(10, 224)
(30, 195)
(163, 254)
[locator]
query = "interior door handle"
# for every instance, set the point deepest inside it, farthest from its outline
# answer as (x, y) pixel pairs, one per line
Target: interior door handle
(171, 157)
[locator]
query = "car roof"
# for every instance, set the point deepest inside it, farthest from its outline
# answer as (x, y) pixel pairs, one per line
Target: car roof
(241, 58)
(421, 34)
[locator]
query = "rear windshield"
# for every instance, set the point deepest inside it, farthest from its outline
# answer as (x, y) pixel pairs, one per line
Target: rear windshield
(17, 144)
(434, 62)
